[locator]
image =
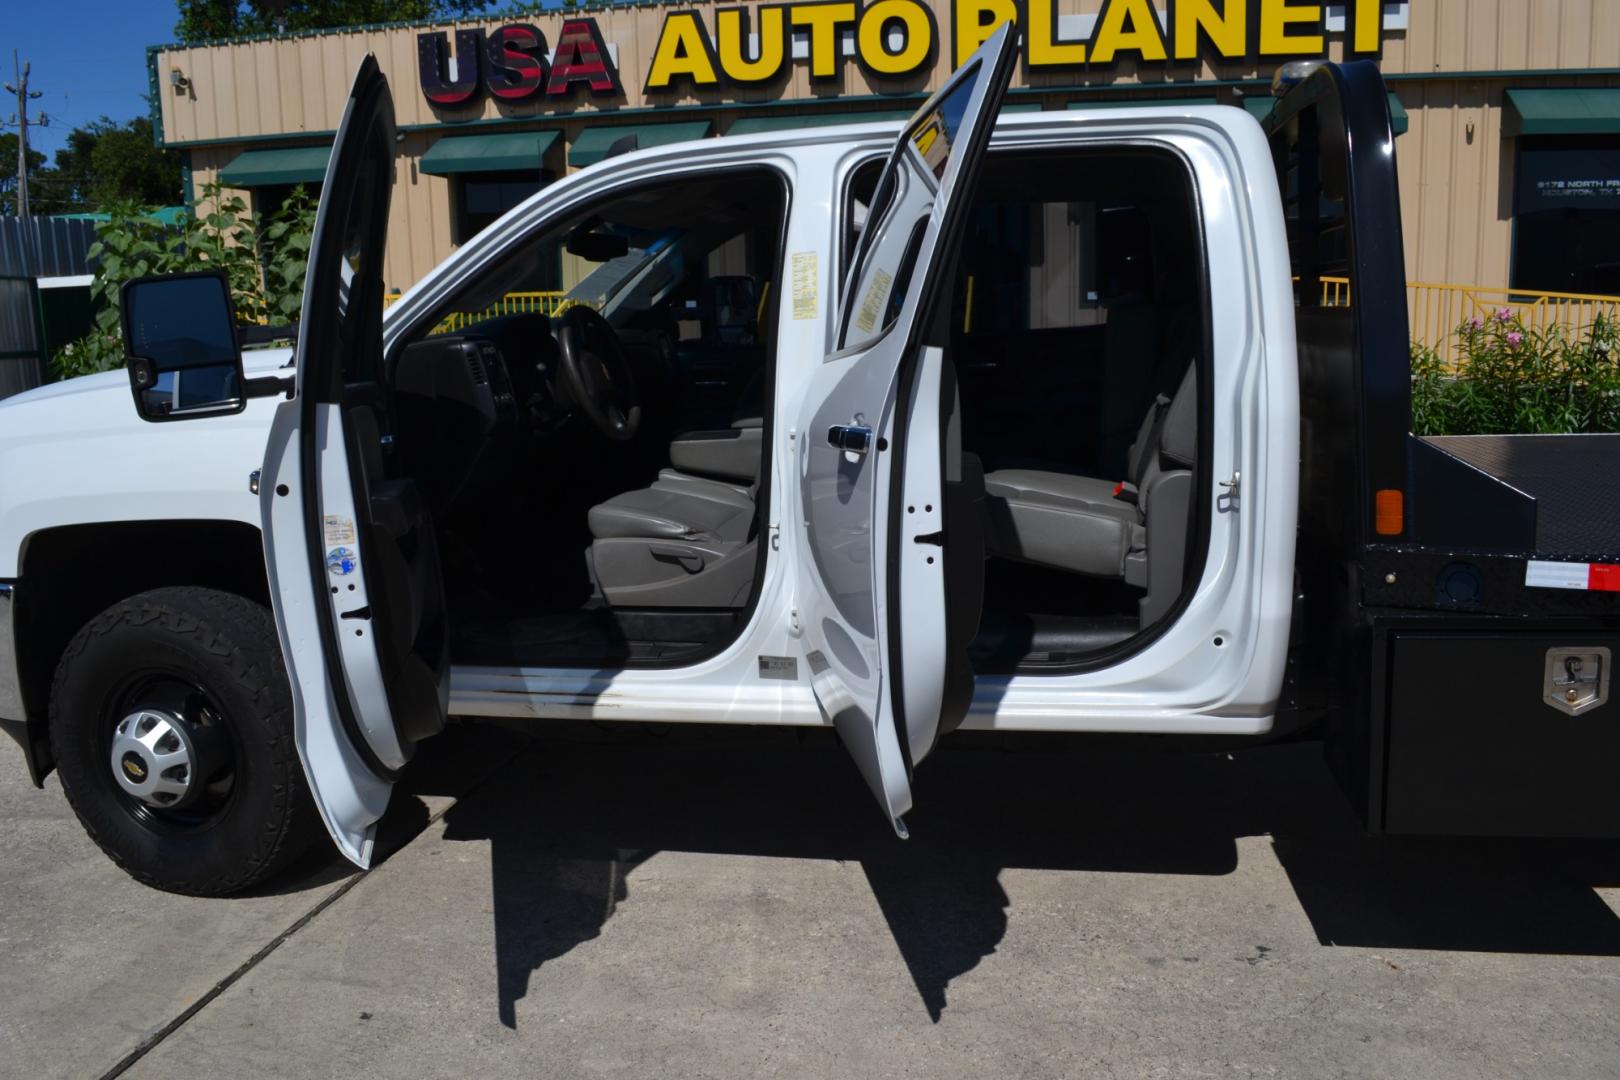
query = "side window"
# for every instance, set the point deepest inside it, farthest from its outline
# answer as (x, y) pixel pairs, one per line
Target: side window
(1313, 189)
(1079, 300)
(1057, 264)
(689, 261)
(858, 197)
(1073, 243)
(357, 307)
(890, 239)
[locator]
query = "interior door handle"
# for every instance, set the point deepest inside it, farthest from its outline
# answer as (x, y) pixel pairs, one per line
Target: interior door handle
(849, 438)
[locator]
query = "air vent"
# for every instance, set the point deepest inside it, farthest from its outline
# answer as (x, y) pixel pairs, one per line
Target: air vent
(475, 363)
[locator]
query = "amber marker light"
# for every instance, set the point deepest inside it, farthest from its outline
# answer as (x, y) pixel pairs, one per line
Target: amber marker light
(1389, 512)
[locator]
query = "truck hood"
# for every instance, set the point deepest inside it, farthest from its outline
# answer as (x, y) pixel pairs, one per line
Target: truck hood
(76, 453)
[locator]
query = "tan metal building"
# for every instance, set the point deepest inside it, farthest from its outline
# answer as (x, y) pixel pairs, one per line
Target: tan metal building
(1508, 111)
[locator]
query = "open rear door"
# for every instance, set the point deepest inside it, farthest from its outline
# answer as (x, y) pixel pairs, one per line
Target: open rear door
(878, 466)
(354, 570)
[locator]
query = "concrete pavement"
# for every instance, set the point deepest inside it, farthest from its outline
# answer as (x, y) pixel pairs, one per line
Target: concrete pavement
(700, 902)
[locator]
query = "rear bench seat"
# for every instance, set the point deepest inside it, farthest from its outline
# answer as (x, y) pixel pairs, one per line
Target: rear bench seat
(1080, 524)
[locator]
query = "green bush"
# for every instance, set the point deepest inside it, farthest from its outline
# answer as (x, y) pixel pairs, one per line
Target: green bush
(264, 261)
(1515, 380)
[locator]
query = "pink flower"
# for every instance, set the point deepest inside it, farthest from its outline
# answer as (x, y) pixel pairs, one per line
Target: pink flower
(1475, 323)
(1504, 314)
(1515, 339)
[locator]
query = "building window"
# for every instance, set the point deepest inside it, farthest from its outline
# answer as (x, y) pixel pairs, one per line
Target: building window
(481, 198)
(269, 199)
(1566, 216)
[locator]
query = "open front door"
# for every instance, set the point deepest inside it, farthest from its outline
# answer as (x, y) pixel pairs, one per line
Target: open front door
(354, 570)
(876, 482)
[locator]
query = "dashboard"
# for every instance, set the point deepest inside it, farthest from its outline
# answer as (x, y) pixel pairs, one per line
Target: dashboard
(456, 396)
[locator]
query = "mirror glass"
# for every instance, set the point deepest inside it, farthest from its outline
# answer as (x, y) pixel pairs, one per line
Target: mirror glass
(180, 338)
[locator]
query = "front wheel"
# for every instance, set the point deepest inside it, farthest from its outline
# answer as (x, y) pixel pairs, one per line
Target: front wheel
(172, 726)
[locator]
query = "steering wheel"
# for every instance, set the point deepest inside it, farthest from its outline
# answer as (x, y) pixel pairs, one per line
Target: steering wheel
(596, 372)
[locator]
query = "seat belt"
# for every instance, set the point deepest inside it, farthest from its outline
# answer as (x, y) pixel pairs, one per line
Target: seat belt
(1129, 490)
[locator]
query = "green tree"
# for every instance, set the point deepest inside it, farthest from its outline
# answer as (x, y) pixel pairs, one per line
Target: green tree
(264, 261)
(8, 172)
(201, 20)
(105, 163)
(126, 164)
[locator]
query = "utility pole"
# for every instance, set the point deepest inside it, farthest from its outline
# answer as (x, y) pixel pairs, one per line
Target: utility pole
(19, 120)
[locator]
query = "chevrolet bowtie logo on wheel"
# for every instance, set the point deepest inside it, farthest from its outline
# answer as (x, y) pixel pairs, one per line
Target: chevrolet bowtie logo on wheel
(134, 767)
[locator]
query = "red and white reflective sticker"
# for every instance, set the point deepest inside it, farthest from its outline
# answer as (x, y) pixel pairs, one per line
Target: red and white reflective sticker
(1602, 577)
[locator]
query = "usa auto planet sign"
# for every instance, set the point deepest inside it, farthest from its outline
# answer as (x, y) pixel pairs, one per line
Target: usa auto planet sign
(888, 39)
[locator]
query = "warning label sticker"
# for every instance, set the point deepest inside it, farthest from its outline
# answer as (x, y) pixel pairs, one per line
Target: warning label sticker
(873, 304)
(339, 530)
(805, 283)
(779, 667)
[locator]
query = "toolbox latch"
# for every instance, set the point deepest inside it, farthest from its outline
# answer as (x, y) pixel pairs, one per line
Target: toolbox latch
(1577, 679)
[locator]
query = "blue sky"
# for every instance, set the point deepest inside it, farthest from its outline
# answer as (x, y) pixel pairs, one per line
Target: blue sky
(89, 58)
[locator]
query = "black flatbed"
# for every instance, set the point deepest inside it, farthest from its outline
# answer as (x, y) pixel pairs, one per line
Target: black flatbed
(1574, 479)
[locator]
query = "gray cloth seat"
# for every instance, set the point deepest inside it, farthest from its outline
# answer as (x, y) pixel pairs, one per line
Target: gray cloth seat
(1069, 522)
(684, 542)
(676, 508)
(1077, 523)
(687, 540)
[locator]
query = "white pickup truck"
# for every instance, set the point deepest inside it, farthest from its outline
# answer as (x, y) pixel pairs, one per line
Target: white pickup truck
(1045, 428)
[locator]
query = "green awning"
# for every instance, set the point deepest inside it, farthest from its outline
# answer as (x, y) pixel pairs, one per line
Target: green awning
(750, 125)
(513, 151)
(1397, 116)
(1115, 103)
(1587, 110)
(594, 143)
(1260, 107)
(269, 168)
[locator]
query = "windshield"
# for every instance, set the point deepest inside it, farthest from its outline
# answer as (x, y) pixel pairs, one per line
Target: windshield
(639, 278)
(647, 256)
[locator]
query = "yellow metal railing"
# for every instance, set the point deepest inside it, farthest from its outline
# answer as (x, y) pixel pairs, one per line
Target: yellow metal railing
(513, 303)
(1335, 292)
(1434, 311)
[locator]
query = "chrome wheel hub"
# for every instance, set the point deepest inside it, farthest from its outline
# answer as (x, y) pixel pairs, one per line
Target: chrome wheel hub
(153, 758)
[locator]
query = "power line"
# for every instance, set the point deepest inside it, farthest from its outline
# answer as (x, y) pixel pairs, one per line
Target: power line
(19, 120)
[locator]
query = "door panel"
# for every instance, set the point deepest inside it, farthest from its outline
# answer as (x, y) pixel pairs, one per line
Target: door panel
(920, 519)
(873, 599)
(357, 590)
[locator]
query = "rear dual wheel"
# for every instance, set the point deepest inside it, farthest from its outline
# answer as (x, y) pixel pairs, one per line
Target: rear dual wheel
(172, 728)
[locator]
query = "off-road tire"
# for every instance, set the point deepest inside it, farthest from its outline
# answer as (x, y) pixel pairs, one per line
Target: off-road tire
(226, 645)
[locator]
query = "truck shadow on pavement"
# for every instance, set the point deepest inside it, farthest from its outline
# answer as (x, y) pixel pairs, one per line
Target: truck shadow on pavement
(572, 816)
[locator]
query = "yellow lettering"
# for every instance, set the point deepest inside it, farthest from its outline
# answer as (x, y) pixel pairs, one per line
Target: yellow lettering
(973, 21)
(1045, 50)
(731, 43)
(1276, 16)
(1227, 29)
(1366, 26)
(1112, 36)
(823, 21)
(871, 39)
(682, 53)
